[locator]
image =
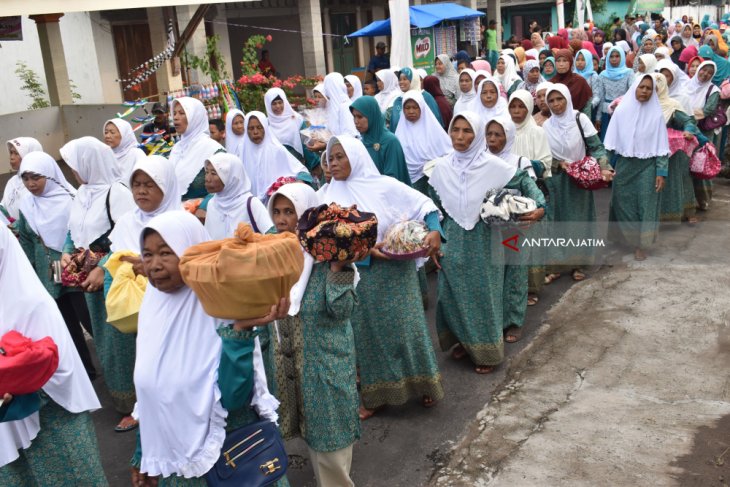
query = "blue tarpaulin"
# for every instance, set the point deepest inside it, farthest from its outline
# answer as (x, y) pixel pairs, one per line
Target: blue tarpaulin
(421, 16)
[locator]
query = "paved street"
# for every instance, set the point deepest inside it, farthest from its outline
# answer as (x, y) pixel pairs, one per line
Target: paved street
(608, 387)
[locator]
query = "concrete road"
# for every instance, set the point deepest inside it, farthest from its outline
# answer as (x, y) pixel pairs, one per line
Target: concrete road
(627, 382)
(411, 446)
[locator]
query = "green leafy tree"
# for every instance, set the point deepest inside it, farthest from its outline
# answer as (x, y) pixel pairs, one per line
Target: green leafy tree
(212, 64)
(32, 86)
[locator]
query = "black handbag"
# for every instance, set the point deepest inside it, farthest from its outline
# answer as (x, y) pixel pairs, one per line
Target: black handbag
(252, 456)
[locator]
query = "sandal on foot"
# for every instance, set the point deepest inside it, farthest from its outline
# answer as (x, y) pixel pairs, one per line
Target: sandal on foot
(513, 334)
(484, 369)
(366, 413)
(578, 275)
(459, 352)
(551, 277)
(428, 401)
(532, 299)
(128, 423)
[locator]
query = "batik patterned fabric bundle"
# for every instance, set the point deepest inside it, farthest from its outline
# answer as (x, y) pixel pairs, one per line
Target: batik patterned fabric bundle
(333, 233)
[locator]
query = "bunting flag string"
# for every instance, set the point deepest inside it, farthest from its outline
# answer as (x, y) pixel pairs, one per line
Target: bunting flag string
(141, 73)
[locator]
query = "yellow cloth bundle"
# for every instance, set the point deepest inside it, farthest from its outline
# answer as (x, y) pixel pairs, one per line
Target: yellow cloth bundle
(125, 294)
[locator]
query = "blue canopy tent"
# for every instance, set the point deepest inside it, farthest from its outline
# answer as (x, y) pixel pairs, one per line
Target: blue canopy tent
(422, 16)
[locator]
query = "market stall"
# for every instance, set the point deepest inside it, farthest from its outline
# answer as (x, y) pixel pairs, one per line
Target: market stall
(435, 28)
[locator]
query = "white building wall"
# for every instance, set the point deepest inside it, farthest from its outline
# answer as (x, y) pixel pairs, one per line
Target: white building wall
(81, 59)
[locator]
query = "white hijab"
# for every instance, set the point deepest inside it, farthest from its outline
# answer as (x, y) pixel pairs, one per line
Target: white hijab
(530, 140)
(649, 61)
(390, 90)
(181, 419)
(230, 207)
(48, 213)
(339, 118)
(267, 161)
(302, 197)
(356, 85)
(287, 125)
(234, 143)
(15, 189)
(500, 109)
(507, 153)
(697, 91)
(127, 152)
(510, 72)
(390, 200)
(195, 145)
(94, 162)
(678, 88)
(462, 179)
(423, 140)
(562, 130)
(125, 235)
(466, 100)
(27, 308)
(648, 138)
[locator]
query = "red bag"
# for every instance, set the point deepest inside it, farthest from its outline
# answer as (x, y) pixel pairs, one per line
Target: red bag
(586, 173)
(25, 365)
(704, 163)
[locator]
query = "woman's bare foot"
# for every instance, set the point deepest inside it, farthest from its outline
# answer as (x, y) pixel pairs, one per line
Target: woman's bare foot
(458, 352)
(639, 255)
(484, 369)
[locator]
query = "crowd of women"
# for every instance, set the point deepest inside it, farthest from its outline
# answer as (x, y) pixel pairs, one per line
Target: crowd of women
(352, 336)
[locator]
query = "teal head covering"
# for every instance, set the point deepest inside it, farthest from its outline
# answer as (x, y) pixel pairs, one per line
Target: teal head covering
(408, 73)
(382, 145)
(620, 71)
(723, 65)
(550, 60)
(586, 72)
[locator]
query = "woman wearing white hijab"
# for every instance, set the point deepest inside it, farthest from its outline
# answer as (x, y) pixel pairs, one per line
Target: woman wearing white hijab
(185, 406)
(286, 124)
(448, 77)
(119, 135)
(18, 148)
(677, 198)
(314, 352)
(354, 83)
(42, 228)
(704, 97)
(194, 147)
(530, 140)
(154, 188)
(647, 63)
(642, 164)
(500, 142)
(489, 102)
(101, 200)
(467, 91)
(568, 202)
(233, 203)
(339, 118)
(46, 439)
(388, 291)
(265, 159)
(532, 143)
(235, 134)
(389, 90)
(422, 138)
(469, 310)
(507, 73)
(676, 80)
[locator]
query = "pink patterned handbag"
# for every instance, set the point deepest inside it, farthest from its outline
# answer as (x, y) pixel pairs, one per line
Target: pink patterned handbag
(704, 163)
(677, 142)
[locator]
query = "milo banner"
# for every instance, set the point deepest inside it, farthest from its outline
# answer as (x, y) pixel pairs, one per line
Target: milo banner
(423, 49)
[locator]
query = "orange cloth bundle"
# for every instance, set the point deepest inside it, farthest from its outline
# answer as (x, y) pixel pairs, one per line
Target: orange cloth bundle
(242, 277)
